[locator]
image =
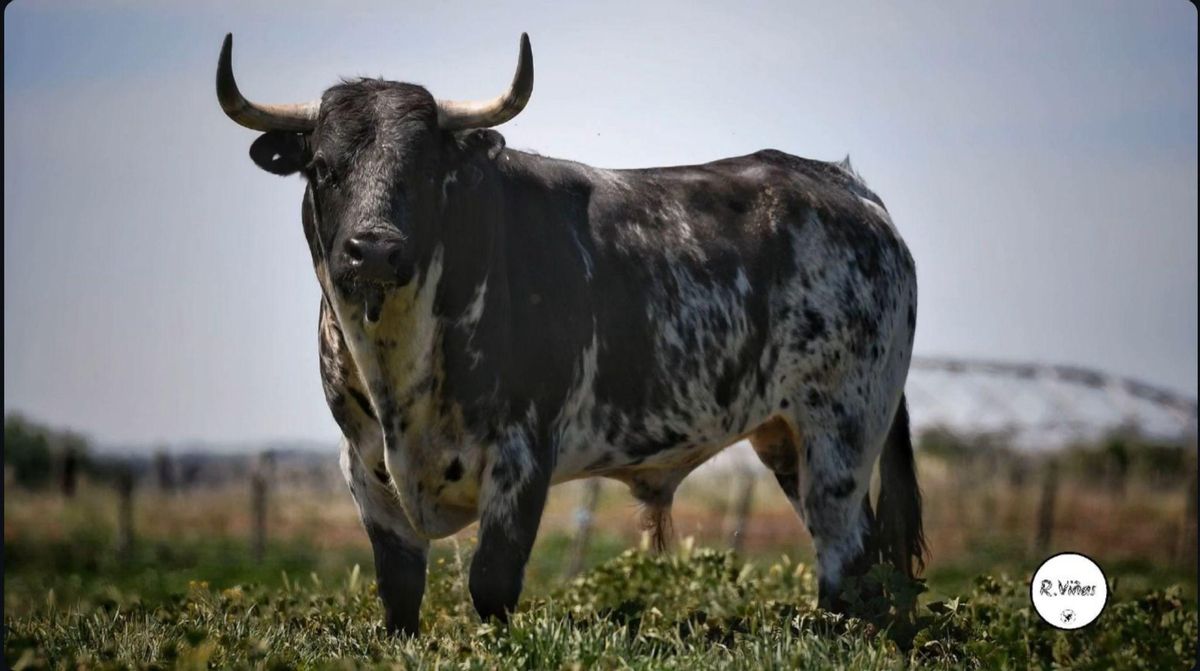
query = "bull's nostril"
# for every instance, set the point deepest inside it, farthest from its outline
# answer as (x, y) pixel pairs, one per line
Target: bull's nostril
(354, 249)
(373, 257)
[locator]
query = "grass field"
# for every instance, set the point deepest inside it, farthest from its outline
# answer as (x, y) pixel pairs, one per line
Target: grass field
(189, 594)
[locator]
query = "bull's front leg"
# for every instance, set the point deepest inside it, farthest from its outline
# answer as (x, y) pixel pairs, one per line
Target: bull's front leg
(513, 494)
(400, 554)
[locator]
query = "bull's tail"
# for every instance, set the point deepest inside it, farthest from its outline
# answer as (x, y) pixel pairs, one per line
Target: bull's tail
(900, 536)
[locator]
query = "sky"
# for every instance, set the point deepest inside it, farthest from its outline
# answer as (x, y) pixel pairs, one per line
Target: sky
(1040, 160)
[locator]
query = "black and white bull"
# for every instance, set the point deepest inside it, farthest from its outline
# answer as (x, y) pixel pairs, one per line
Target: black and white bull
(494, 322)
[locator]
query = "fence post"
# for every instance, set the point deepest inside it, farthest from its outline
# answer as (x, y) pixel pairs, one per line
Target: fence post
(745, 500)
(258, 512)
(1045, 514)
(125, 513)
(166, 471)
(1186, 553)
(987, 489)
(70, 470)
(584, 517)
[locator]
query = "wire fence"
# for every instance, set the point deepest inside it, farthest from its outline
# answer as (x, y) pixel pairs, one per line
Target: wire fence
(1036, 408)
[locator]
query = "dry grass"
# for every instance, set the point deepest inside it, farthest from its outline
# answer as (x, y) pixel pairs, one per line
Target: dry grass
(968, 510)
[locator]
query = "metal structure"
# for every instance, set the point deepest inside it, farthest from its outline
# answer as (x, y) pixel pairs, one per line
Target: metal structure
(1032, 406)
(1042, 406)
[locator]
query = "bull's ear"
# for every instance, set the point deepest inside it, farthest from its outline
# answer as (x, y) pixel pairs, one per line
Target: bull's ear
(280, 152)
(482, 140)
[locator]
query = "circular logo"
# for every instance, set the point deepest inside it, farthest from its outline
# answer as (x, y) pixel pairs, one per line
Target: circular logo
(1069, 591)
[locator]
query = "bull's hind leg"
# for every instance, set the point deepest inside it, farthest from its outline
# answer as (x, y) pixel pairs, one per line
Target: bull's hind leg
(824, 470)
(839, 453)
(782, 449)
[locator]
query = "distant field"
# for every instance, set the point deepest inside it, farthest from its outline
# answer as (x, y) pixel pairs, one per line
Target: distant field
(189, 593)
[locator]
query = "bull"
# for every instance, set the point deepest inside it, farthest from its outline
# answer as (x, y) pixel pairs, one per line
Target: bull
(494, 322)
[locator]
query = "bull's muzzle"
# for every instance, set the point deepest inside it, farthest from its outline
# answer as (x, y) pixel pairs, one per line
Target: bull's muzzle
(378, 258)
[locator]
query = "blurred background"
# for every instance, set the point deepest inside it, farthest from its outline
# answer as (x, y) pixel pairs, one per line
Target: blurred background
(164, 415)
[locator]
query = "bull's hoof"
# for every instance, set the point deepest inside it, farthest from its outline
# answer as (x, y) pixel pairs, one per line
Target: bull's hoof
(402, 627)
(830, 599)
(494, 601)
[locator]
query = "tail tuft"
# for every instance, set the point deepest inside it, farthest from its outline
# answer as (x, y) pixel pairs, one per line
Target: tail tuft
(901, 536)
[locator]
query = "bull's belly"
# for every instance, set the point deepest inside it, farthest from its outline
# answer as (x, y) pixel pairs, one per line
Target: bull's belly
(677, 439)
(680, 431)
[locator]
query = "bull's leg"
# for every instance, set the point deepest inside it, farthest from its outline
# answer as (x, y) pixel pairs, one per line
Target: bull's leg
(513, 495)
(780, 447)
(400, 555)
(836, 509)
(825, 472)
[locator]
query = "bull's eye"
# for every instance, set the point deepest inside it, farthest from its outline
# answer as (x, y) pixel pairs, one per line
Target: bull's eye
(320, 171)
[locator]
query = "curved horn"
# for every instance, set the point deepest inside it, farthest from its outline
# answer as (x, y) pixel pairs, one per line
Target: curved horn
(460, 115)
(300, 117)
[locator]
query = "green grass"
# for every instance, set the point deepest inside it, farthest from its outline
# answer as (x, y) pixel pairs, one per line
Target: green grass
(73, 605)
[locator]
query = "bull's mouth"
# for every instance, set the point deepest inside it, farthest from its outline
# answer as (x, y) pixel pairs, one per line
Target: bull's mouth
(372, 298)
(363, 300)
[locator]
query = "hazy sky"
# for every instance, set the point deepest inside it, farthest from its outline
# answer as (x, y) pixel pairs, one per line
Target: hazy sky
(1040, 159)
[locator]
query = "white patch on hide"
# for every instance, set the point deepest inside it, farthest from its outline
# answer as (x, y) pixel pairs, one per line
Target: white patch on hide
(498, 498)
(583, 254)
(470, 318)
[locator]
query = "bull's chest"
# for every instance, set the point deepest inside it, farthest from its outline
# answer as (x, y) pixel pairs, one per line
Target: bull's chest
(438, 468)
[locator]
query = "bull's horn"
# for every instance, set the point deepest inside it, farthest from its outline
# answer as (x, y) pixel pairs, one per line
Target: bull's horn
(459, 115)
(300, 118)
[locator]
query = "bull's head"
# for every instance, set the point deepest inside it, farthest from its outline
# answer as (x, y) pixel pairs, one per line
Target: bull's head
(375, 154)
